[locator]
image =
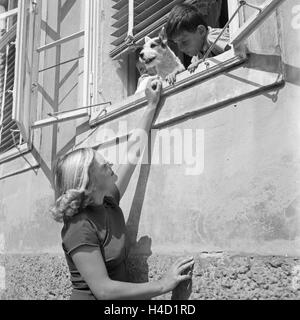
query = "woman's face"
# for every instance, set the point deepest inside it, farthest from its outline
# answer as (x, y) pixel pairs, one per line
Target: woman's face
(102, 176)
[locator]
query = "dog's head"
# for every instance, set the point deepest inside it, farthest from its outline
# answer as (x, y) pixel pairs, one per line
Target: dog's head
(153, 50)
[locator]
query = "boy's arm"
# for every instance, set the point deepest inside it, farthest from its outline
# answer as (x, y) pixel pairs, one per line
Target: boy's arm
(220, 46)
(194, 64)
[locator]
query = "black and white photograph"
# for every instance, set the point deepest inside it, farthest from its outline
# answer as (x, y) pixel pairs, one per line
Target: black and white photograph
(149, 150)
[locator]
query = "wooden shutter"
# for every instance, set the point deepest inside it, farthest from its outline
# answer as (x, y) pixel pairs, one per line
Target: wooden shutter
(24, 67)
(9, 133)
(149, 17)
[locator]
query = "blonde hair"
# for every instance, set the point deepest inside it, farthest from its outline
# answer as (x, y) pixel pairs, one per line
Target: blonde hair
(71, 183)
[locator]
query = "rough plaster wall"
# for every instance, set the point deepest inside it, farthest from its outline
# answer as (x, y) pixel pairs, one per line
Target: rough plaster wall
(246, 198)
(24, 214)
(220, 276)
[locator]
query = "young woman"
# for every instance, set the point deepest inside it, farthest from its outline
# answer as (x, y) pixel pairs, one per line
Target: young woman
(93, 236)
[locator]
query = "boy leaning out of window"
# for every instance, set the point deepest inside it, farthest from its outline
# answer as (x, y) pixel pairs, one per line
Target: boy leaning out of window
(188, 29)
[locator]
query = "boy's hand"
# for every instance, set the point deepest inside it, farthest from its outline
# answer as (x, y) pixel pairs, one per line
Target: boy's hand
(153, 90)
(192, 67)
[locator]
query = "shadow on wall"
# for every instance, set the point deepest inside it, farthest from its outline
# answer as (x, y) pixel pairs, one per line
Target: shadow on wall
(139, 271)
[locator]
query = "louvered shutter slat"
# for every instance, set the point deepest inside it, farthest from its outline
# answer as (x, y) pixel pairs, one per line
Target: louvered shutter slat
(7, 83)
(153, 15)
(151, 31)
(9, 143)
(10, 126)
(157, 7)
(120, 4)
(149, 17)
(144, 10)
(8, 138)
(8, 101)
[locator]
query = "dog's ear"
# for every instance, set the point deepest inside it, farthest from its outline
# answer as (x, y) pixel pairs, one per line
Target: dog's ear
(163, 36)
(147, 39)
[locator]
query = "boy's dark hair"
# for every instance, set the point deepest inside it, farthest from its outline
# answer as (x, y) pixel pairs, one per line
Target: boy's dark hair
(184, 17)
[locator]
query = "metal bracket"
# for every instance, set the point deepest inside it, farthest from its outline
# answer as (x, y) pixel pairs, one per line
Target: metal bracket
(56, 114)
(103, 111)
(34, 5)
(129, 40)
(16, 145)
(33, 86)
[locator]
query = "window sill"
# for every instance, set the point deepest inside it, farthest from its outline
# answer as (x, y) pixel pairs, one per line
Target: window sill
(16, 162)
(217, 65)
(14, 153)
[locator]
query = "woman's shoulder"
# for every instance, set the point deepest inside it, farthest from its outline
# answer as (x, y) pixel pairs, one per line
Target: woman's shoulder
(79, 231)
(85, 220)
(80, 220)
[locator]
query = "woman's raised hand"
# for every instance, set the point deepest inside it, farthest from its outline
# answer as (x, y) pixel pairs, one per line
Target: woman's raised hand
(153, 90)
(174, 276)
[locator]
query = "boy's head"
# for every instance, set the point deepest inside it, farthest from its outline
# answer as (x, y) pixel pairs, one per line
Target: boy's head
(187, 28)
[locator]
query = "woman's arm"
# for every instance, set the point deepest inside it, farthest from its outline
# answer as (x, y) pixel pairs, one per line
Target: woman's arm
(136, 143)
(91, 266)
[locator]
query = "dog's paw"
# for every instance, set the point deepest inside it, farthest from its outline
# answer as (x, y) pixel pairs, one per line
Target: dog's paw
(192, 67)
(171, 78)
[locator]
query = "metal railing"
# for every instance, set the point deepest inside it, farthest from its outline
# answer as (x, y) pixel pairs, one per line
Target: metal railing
(241, 5)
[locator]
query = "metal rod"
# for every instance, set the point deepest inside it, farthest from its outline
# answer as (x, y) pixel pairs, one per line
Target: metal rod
(61, 41)
(88, 107)
(252, 6)
(130, 38)
(59, 64)
(8, 14)
(242, 3)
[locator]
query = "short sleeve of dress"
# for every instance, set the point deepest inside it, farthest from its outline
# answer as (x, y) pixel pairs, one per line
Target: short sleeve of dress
(80, 233)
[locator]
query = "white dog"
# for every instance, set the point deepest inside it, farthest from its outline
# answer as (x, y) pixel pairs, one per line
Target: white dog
(156, 58)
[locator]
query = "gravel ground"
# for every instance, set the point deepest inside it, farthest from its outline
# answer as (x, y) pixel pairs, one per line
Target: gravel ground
(46, 277)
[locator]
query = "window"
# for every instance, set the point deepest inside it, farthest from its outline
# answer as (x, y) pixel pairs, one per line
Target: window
(36, 51)
(149, 17)
(136, 19)
(10, 136)
(69, 52)
(44, 44)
